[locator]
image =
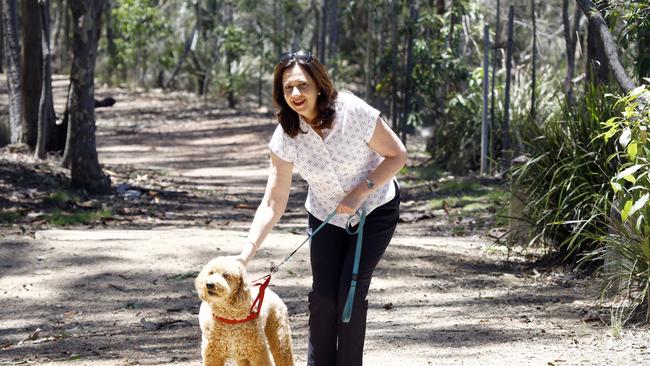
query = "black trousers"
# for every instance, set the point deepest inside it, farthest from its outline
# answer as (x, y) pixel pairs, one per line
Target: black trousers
(332, 342)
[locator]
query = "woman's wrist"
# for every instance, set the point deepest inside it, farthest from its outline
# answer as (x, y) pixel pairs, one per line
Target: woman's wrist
(247, 252)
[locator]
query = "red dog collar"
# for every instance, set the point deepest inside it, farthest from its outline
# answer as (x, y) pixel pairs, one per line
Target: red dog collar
(257, 302)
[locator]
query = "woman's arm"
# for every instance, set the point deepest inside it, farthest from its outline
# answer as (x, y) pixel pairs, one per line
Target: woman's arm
(386, 143)
(271, 208)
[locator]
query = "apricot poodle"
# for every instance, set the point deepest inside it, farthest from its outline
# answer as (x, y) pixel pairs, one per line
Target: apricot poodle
(226, 297)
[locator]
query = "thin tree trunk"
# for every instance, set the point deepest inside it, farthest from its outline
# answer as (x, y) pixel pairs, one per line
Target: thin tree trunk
(31, 69)
(57, 38)
(605, 44)
(570, 39)
(643, 65)
(506, 108)
(67, 31)
(394, 67)
(190, 43)
(276, 28)
(313, 43)
(111, 48)
(368, 62)
(333, 37)
(12, 49)
(322, 45)
(260, 71)
(408, 77)
(484, 118)
(495, 62)
(84, 168)
(46, 117)
(2, 48)
(533, 93)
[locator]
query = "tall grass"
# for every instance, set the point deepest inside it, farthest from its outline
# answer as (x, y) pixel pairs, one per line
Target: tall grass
(564, 184)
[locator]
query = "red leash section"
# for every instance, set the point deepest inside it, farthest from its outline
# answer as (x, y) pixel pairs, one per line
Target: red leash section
(257, 302)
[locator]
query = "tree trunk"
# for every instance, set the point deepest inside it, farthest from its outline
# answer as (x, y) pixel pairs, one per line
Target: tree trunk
(322, 45)
(484, 117)
(333, 37)
(570, 39)
(65, 40)
(111, 47)
(408, 77)
(597, 69)
(606, 46)
(506, 108)
(394, 68)
(643, 60)
(2, 48)
(12, 49)
(84, 168)
(46, 116)
(190, 43)
(313, 43)
(495, 62)
(31, 69)
(533, 92)
(369, 61)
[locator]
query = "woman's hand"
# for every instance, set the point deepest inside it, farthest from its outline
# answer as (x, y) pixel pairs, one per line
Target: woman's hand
(351, 203)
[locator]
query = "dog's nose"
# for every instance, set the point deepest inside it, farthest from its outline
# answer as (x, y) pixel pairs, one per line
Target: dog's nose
(209, 286)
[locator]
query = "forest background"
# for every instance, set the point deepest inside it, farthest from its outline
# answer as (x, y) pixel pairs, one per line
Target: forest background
(545, 100)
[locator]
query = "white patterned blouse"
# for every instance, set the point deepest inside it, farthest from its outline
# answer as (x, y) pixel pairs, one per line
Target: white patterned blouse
(335, 164)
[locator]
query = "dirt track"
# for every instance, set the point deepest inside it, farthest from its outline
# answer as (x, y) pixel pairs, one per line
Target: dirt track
(122, 294)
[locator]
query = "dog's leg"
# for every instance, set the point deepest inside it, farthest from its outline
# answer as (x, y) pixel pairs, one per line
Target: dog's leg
(212, 357)
(278, 334)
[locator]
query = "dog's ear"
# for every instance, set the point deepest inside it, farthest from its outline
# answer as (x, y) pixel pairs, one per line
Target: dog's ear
(239, 293)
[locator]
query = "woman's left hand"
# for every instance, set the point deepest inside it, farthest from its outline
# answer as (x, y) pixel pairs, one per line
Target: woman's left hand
(350, 203)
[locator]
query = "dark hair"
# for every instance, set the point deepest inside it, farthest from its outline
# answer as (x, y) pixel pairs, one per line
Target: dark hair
(287, 117)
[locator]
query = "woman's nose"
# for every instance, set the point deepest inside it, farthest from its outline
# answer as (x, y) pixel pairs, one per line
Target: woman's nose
(295, 91)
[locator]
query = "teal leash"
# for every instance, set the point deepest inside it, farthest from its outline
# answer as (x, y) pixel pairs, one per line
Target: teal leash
(275, 268)
(347, 310)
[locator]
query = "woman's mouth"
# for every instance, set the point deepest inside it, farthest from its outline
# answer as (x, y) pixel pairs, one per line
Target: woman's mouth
(298, 103)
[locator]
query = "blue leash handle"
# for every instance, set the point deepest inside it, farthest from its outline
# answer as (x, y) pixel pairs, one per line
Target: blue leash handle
(347, 310)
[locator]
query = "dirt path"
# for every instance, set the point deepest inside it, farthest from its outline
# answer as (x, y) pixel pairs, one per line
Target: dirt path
(120, 293)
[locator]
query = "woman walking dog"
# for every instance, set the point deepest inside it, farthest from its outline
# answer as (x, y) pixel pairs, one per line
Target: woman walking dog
(349, 157)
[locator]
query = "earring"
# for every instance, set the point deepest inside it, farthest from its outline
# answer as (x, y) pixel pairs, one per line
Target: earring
(318, 93)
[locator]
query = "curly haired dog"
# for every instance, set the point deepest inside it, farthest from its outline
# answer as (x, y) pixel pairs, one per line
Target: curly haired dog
(223, 288)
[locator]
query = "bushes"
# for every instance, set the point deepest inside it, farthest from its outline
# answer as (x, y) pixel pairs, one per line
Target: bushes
(627, 246)
(565, 183)
(575, 172)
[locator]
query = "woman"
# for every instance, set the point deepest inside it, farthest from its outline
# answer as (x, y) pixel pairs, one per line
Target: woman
(349, 157)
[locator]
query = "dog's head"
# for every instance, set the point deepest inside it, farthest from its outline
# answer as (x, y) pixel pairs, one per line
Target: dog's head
(222, 280)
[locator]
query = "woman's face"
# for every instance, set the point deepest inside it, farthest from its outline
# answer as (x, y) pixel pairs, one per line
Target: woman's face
(300, 92)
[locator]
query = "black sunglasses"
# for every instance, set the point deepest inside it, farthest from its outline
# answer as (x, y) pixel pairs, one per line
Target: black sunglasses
(302, 56)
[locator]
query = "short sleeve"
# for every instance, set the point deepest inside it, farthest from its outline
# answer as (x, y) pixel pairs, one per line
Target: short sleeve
(282, 145)
(365, 115)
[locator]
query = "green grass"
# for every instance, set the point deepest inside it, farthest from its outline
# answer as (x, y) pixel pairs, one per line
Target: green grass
(60, 198)
(470, 197)
(62, 218)
(8, 217)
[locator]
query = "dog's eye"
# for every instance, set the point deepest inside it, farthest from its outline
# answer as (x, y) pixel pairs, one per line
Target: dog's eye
(226, 276)
(210, 273)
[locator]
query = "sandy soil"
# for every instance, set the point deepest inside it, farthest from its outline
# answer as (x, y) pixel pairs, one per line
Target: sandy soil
(120, 292)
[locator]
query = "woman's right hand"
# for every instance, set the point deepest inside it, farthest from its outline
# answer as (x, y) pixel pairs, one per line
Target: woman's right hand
(247, 253)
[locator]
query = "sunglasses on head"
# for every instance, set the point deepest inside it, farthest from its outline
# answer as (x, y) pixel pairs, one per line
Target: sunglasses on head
(302, 56)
